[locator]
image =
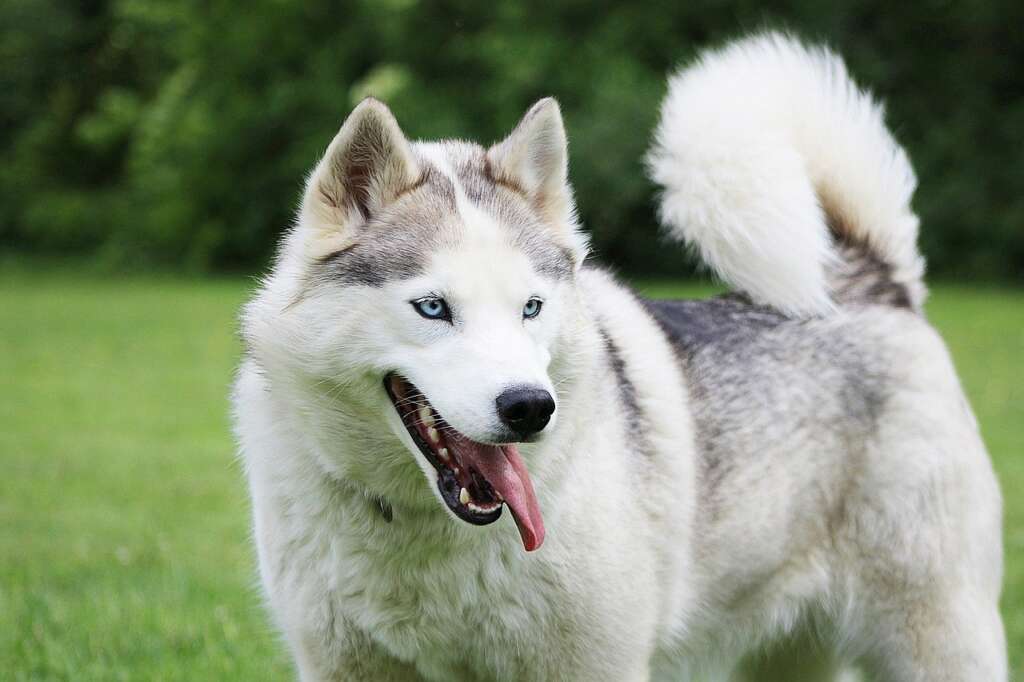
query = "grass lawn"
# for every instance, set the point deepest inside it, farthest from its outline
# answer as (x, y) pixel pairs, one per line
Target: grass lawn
(124, 541)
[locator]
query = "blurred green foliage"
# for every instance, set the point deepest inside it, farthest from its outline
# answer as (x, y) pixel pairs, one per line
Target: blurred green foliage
(177, 134)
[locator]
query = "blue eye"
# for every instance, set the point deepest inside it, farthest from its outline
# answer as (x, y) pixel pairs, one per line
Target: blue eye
(532, 308)
(432, 308)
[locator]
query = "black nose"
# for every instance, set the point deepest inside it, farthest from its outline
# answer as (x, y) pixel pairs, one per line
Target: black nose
(525, 410)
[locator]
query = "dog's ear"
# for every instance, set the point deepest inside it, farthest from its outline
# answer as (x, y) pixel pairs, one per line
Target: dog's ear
(534, 160)
(367, 165)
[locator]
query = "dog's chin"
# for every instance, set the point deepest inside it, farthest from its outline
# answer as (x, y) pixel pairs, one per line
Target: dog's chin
(475, 479)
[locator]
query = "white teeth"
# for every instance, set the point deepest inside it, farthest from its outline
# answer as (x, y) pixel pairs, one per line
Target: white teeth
(426, 416)
(433, 435)
(464, 496)
(443, 454)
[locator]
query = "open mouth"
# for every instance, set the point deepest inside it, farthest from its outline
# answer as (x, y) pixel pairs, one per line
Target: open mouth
(475, 479)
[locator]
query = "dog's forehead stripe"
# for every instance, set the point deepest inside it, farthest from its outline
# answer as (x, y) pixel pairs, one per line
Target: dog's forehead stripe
(506, 202)
(397, 245)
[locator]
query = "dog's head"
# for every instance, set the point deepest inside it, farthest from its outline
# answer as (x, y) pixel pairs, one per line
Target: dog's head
(429, 291)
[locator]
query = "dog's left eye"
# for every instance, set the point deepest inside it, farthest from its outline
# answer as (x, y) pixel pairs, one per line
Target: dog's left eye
(432, 308)
(532, 308)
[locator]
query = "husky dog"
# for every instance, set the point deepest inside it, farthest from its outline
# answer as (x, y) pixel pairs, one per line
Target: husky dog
(791, 468)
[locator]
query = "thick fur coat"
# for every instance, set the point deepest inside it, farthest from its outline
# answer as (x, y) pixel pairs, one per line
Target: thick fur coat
(791, 468)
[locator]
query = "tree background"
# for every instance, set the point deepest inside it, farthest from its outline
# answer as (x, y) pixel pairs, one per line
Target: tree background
(152, 134)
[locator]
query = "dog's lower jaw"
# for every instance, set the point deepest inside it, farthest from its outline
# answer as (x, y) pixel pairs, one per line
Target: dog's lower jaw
(475, 480)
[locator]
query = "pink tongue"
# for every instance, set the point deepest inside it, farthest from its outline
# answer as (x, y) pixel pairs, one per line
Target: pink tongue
(504, 470)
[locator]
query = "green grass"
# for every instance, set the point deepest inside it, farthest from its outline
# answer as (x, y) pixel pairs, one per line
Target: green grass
(124, 550)
(124, 542)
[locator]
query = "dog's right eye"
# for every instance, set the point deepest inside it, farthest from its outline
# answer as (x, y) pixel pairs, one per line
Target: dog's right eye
(432, 308)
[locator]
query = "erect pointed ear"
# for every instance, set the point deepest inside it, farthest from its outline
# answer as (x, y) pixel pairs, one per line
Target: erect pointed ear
(534, 160)
(367, 165)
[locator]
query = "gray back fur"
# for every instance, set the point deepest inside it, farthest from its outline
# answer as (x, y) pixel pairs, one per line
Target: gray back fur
(758, 378)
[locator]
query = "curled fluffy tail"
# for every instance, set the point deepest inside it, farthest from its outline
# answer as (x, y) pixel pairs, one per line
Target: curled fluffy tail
(781, 172)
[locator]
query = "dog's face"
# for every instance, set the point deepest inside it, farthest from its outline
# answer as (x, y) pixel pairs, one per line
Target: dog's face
(438, 289)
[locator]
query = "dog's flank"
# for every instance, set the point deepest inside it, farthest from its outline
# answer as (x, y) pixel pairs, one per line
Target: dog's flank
(687, 482)
(730, 350)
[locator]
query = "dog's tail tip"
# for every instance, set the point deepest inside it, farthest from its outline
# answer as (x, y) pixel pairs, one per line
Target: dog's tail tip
(780, 171)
